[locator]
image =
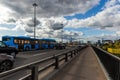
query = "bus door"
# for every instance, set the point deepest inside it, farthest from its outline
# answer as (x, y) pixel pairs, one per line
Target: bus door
(49, 44)
(40, 44)
(20, 44)
(36, 44)
(32, 42)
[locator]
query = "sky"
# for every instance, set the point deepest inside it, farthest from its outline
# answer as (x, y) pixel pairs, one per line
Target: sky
(87, 20)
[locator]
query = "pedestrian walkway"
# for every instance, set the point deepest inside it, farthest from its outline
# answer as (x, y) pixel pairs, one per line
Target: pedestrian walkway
(83, 67)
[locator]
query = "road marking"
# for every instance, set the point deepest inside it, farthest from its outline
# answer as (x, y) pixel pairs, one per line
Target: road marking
(24, 77)
(39, 54)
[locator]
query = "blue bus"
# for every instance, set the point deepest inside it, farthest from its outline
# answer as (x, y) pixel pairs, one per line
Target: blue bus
(48, 43)
(26, 43)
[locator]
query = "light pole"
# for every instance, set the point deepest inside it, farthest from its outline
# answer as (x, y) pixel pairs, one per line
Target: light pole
(34, 5)
(71, 37)
(62, 34)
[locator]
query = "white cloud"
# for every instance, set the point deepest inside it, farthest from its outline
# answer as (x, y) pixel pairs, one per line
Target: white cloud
(109, 17)
(49, 14)
(4, 28)
(111, 3)
(48, 8)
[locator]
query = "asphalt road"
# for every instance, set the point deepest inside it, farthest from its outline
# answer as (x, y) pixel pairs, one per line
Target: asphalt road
(30, 56)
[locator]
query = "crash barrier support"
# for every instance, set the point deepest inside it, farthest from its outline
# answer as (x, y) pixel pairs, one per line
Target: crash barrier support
(34, 65)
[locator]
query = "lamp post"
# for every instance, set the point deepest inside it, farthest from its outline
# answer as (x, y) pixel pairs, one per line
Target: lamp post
(62, 33)
(34, 5)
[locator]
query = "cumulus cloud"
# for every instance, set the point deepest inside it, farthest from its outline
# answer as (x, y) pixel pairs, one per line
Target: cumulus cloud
(107, 18)
(48, 8)
(4, 28)
(111, 3)
(54, 23)
(50, 12)
(30, 22)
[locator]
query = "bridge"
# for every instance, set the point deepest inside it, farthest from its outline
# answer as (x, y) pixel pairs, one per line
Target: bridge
(78, 63)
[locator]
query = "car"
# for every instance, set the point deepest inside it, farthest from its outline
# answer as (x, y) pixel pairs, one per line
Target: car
(8, 50)
(60, 46)
(6, 62)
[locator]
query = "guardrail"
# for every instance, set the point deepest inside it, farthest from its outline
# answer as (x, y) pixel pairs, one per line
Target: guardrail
(110, 62)
(34, 67)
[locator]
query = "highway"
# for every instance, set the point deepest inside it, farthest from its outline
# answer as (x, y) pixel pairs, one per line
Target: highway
(31, 56)
(28, 57)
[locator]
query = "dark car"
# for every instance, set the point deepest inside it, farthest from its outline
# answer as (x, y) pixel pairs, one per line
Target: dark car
(6, 62)
(60, 46)
(8, 50)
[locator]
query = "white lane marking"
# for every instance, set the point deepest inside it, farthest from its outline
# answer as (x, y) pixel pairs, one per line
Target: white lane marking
(39, 54)
(24, 77)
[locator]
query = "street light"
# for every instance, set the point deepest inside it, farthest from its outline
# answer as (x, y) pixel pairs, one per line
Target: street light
(34, 5)
(71, 36)
(62, 33)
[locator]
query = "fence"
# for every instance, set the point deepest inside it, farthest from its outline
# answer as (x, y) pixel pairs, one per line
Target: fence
(110, 62)
(34, 67)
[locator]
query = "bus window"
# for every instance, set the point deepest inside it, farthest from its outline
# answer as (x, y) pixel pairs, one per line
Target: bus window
(19, 41)
(28, 41)
(6, 39)
(43, 42)
(22, 41)
(25, 41)
(36, 42)
(15, 41)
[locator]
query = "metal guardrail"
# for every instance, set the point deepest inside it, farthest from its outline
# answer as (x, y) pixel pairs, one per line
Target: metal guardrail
(34, 65)
(110, 62)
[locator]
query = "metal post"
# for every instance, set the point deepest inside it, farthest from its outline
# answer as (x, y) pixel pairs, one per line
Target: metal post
(74, 52)
(71, 54)
(56, 62)
(34, 5)
(66, 57)
(77, 51)
(35, 73)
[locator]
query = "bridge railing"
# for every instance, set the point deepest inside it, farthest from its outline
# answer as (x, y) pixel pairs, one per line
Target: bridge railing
(110, 62)
(34, 66)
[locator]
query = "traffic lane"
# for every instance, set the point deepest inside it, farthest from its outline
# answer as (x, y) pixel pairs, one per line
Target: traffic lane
(27, 54)
(33, 56)
(24, 61)
(28, 57)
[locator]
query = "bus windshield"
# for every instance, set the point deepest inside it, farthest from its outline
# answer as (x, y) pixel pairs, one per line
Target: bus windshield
(5, 39)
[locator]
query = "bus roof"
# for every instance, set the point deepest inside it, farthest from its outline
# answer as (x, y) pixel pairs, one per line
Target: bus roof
(26, 37)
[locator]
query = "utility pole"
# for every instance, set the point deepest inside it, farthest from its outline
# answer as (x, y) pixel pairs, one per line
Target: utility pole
(34, 5)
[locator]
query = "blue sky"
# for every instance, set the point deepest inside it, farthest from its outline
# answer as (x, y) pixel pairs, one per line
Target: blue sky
(87, 30)
(91, 31)
(84, 18)
(93, 11)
